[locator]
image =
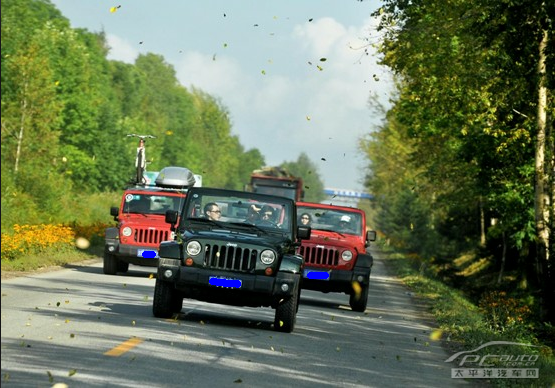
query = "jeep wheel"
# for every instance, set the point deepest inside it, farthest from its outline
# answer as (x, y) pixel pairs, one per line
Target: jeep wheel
(358, 301)
(110, 264)
(165, 300)
(123, 266)
(286, 314)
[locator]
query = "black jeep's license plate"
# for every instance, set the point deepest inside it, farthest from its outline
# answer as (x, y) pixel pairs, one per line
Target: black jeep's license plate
(224, 282)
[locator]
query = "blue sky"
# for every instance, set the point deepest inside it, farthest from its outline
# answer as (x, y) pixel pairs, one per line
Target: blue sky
(262, 60)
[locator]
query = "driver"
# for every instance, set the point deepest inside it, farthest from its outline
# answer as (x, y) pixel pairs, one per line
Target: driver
(267, 215)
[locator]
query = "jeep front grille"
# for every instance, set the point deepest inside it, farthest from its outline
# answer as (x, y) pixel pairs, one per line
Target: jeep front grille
(151, 236)
(230, 258)
(320, 256)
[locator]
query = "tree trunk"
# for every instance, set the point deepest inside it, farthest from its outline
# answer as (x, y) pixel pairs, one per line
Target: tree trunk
(542, 197)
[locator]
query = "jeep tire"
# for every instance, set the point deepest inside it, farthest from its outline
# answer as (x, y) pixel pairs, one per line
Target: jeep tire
(110, 264)
(358, 301)
(166, 300)
(286, 313)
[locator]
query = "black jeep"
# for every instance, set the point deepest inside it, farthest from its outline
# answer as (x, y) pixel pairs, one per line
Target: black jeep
(244, 256)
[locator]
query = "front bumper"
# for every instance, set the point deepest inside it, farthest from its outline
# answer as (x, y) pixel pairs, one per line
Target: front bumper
(247, 290)
(314, 278)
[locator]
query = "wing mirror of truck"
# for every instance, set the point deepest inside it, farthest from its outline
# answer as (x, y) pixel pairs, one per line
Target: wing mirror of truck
(171, 218)
(114, 212)
(370, 236)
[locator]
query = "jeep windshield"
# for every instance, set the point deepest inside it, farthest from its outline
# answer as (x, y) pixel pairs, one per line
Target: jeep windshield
(331, 220)
(230, 209)
(151, 203)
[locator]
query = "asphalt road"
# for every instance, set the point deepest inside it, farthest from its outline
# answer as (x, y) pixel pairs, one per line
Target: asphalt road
(79, 327)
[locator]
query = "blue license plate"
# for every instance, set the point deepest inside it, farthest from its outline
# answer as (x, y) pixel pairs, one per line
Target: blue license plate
(147, 253)
(316, 275)
(224, 282)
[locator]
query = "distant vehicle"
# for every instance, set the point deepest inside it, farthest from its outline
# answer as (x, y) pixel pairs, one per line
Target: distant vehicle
(336, 257)
(233, 259)
(276, 181)
(140, 220)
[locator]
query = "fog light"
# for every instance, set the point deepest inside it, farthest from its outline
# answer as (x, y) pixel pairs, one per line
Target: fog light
(168, 273)
(111, 248)
(360, 278)
(284, 287)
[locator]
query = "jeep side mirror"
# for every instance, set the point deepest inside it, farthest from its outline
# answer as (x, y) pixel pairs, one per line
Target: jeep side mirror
(303, 232)
(370, 236)
(171, 218)
(114, 212)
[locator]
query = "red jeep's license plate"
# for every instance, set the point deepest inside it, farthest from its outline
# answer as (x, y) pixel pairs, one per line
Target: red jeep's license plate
(316, 275)
(224, 282)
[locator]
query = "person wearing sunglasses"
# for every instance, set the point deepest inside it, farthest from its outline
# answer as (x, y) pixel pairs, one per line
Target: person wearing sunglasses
(305, 219)
(212, 211)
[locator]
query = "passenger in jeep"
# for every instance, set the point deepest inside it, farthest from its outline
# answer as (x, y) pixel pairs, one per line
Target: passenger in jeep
(267, 216)
(305, 219)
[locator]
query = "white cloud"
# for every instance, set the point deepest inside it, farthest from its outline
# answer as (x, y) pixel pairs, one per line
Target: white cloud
(120, 49)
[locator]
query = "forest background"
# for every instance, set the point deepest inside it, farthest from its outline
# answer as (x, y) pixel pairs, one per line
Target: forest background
(461, 170)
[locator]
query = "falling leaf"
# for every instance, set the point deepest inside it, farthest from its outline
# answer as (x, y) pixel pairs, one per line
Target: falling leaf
(263, 72)
(376, 78)
(202, 322)
(436, 335)
(319, 67)
(113, 9)
(133, 323)
(357, 289)
(72, 335)
(324, 159)
(141, 42)
(238, 381)
(225, 15)
(124, 284)
(57, 304)
(398, 358)
(67, 320)
(310, 19)
(50, 377)
(255, 25)
(71, 372)
(323, 59)
(145, 298)
(67, 301)
(308, 118)
(272, 348)
(338, 349)
(214, 57)
(310, 63)
(6, 377)
(225, 45)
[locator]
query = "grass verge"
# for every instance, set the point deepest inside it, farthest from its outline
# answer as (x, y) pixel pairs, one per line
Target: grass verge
(463, 326)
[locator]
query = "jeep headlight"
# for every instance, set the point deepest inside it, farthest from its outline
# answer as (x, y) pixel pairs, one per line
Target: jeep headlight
(127, 231)
(193, 248)
(267, 257)
(347, 255)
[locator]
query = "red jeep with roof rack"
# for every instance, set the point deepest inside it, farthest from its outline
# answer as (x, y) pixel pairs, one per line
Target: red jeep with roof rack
(141, 225)
(336, 258)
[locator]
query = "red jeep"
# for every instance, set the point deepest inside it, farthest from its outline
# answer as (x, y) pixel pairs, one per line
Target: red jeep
(141, 225)
(336, 257)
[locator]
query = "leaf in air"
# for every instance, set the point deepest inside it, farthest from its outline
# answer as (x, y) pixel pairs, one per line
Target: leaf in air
(307, 118)
(319, 67)
(238, 381)
(311, 19)
(263, 72)
(323, 59)
(71, 372)
(50, 376)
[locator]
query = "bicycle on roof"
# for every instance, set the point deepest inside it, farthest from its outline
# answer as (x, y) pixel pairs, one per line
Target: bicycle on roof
(140, 158)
